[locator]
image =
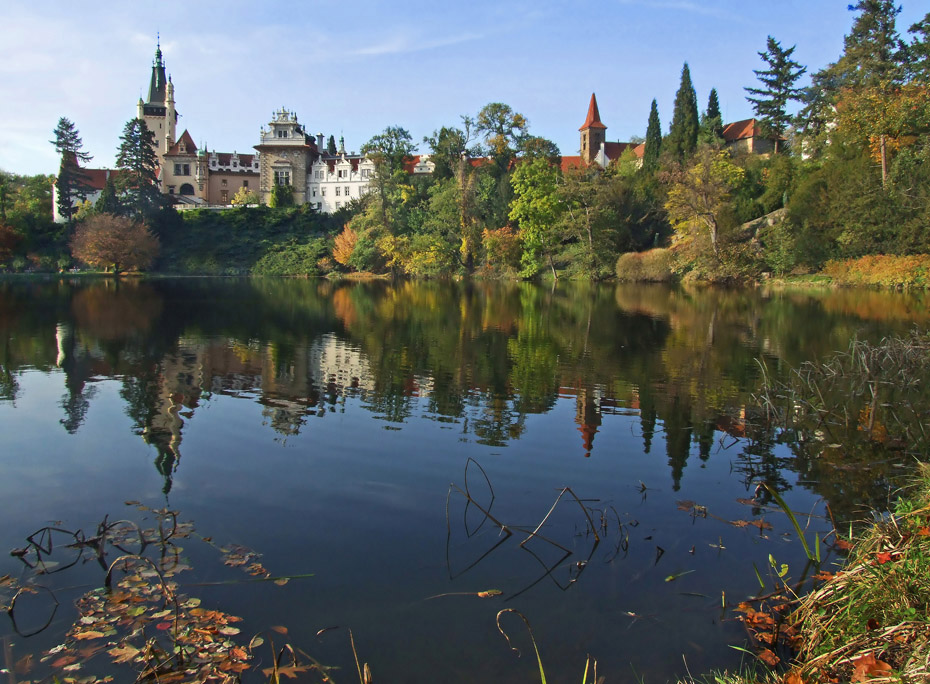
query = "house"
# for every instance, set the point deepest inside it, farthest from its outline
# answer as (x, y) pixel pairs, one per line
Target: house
(95, 181)
(746, 137)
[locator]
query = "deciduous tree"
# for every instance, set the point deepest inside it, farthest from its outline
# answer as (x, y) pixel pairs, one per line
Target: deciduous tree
(344, 245)
(697, 195)
(536, 209)
(105, 240)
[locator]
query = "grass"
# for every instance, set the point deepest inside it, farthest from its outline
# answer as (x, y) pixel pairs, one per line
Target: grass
(873, 617)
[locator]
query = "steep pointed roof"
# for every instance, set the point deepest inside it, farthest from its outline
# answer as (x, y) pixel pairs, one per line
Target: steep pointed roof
(189, 147)
(594, 116)
(158, 82)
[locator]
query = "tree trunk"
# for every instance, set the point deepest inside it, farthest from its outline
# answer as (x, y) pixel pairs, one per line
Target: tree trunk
(884, 160)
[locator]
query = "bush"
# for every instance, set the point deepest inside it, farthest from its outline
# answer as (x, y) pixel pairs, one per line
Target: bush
(653, 266)
(293, 259)
(880, 270)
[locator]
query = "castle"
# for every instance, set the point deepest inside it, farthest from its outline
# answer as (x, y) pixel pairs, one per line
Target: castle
(287, 155)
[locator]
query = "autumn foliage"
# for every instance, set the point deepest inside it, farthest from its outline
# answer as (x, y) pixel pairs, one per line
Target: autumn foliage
(882, 270)
(345, 245)
(105, 240)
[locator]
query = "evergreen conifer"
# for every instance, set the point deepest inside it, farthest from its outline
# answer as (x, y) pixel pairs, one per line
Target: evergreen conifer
(712, 121)
(653, 144)
(683, 134)
(72, 183)
(331, 146)
(777, 88)
(137, 185)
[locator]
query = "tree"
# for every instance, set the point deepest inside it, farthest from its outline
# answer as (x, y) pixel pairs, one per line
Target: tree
(919, 51)
(281, 196)
(448, 146)
(388, 150)
(535, 147)
(503, 130)
(108, 202)
(72, 182)
(105, 240)
(653, 144)
(778, 88)
(683, 134)
(244, 197)
(698, 195)
(712, 121)
(331, 145)
(536, 209)
(9, 241)
(344, 245)
(137, 182)
(873, 54)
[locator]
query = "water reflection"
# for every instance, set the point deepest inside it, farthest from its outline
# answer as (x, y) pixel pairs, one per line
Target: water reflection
(480, 357)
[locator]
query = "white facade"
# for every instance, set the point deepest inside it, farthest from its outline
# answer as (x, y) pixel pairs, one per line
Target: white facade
(334, 182)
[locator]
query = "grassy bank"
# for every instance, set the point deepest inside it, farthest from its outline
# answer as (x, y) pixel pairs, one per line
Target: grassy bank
(869, 620)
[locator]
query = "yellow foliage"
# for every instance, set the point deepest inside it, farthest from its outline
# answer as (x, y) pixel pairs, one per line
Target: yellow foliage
(345, 245)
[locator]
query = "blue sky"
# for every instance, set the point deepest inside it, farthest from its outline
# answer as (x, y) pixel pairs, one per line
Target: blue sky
(351, 68)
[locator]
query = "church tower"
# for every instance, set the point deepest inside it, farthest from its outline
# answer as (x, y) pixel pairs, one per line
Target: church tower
(593, 133)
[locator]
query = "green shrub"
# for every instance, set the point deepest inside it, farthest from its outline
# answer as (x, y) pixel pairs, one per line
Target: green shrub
(292, 259)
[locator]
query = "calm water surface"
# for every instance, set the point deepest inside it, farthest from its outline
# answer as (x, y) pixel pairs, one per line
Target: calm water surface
(321, 426)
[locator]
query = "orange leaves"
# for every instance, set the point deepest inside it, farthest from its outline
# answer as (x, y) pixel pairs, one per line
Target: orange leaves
(867, 667)
(345, 245)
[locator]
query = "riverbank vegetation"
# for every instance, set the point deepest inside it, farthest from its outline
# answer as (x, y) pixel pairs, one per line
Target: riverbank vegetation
(847, 177)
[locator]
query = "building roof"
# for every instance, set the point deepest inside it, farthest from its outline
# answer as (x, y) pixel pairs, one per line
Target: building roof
(572, 163)
(158, 82)
(96, 179)
(740, 130)
(189, 146)
(593, 119)
(225, 158)
(614, 150)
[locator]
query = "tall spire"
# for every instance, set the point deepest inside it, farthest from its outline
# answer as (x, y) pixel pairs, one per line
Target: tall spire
(594, 117)
(157, 84)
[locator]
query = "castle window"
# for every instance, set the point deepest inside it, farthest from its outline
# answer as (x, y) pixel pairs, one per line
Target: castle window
(224, 183)
(338, 204)
(225, 196)
(313, 192)
(337, 191)
(282, 177)
(245, 184)
(182, 169)
(342, 173)
(322, 192)
(347, 191)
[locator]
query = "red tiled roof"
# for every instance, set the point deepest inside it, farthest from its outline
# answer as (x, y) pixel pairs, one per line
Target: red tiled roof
(572, 163)
(740, 130)
(225, 158)
(97, 178)
(594, 117)
(188, 141)
(615, 149)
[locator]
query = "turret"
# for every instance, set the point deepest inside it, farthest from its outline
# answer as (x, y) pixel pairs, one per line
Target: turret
(342, 145)
(140, 109)
(170, 116)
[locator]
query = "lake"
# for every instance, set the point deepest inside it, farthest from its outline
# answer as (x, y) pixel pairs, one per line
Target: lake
(397, 451)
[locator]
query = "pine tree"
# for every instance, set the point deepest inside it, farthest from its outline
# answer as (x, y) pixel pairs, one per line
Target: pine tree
(108, 202)
(778, 88)
(331, 146)
(874, 54)
(712, 121)
(683, 134)
(137, 183)
(653, 145)
(919, 50)
(72, 183)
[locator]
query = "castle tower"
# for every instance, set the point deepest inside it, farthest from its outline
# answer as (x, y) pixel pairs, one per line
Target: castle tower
(286, 153)
(593, 133)
(158, 110)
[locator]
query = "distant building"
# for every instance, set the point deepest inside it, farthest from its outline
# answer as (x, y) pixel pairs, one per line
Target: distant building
(745, 137)
(95, 181)
(594, 148)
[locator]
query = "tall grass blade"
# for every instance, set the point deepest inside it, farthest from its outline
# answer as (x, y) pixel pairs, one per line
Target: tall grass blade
(794, 521)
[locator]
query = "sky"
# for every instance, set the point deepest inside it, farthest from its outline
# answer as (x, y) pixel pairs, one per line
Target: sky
(353, 68)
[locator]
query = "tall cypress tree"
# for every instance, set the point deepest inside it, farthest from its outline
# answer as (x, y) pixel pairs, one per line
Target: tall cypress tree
(777, 88)
(331, 146)
(138, 182)
(653, 145)
(683, 134)
(712, 121)
(72, 183)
